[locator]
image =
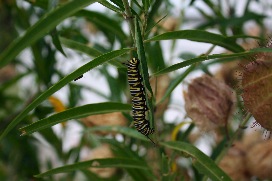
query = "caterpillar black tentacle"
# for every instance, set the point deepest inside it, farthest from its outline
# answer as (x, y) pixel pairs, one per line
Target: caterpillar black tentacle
(138, 101)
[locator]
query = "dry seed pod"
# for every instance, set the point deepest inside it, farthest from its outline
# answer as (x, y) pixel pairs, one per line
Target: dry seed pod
(110, 119)
(233, 163)
(209, 102)
(103, 151)
(259, 160)
(257, 88)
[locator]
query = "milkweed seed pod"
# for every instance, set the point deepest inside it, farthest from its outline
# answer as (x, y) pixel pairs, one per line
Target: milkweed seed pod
(259, 160)
(209, 102)
(161, 87)
(257, 88)
(110, 119)
(102, 151)
(234, 163)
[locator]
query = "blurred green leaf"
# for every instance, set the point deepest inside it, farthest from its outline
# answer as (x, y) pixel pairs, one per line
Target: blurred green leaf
(155, 57)
(40, 3)
(101, 20)
(75, 113)
(231, 21)
(174, 83)
(110, 6)
(80, 71)
(150, 21)
(200, 36)
(201, 161)
(80, 47)
(41, 28)
(187, 55)
(208, 57)
(97, 163)
(119, 129)
(146, 4)
(123, 151)
(56, 41)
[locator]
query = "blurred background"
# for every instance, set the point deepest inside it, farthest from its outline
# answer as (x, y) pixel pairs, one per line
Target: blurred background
(48, 60)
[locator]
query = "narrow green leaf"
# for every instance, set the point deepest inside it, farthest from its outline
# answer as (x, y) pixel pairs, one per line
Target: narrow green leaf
(97, 163)
(56, 41)
(146, 4)
(150, 21)
(201, 161)
(232, 21)
(155, 57)
(119, 129)
(80, 47)
(245, 54)
(40, 3)
(200, 36)
(75, 113)
(155, 24)
(144, 69)
(104, 21)
(124, 151)
(136, 3)
(41, 28)
(80, 71)
(119, 3)
(92, 52)
(110, 6)
(176, 82)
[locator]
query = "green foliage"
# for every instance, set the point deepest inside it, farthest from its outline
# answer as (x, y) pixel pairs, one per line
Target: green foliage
(61, 31)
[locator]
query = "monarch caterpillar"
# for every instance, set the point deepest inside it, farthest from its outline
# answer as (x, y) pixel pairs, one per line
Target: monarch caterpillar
(139, 106)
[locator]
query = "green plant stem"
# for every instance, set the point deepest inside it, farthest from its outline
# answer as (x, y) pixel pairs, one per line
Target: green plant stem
(230, 143)
(129, 17)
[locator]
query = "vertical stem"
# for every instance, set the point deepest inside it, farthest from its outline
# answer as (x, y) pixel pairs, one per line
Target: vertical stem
(233, 138)
(129, 17)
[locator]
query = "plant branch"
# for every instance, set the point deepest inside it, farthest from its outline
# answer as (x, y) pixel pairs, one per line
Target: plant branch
(129, 17)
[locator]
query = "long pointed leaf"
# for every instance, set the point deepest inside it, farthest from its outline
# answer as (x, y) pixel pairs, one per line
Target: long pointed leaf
(144, 68)
(208, 57)
(176, 82)
(41, 28)
(75, 113)
(97, 163)
(85, 68)
(80, 47)
(201, 161)
(200, 36)
(104, 21)
(119, 129)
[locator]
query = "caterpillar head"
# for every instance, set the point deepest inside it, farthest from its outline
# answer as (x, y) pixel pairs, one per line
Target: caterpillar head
(134, 61)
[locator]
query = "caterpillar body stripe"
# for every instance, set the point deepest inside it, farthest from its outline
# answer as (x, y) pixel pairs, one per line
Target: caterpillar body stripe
(139, 106)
